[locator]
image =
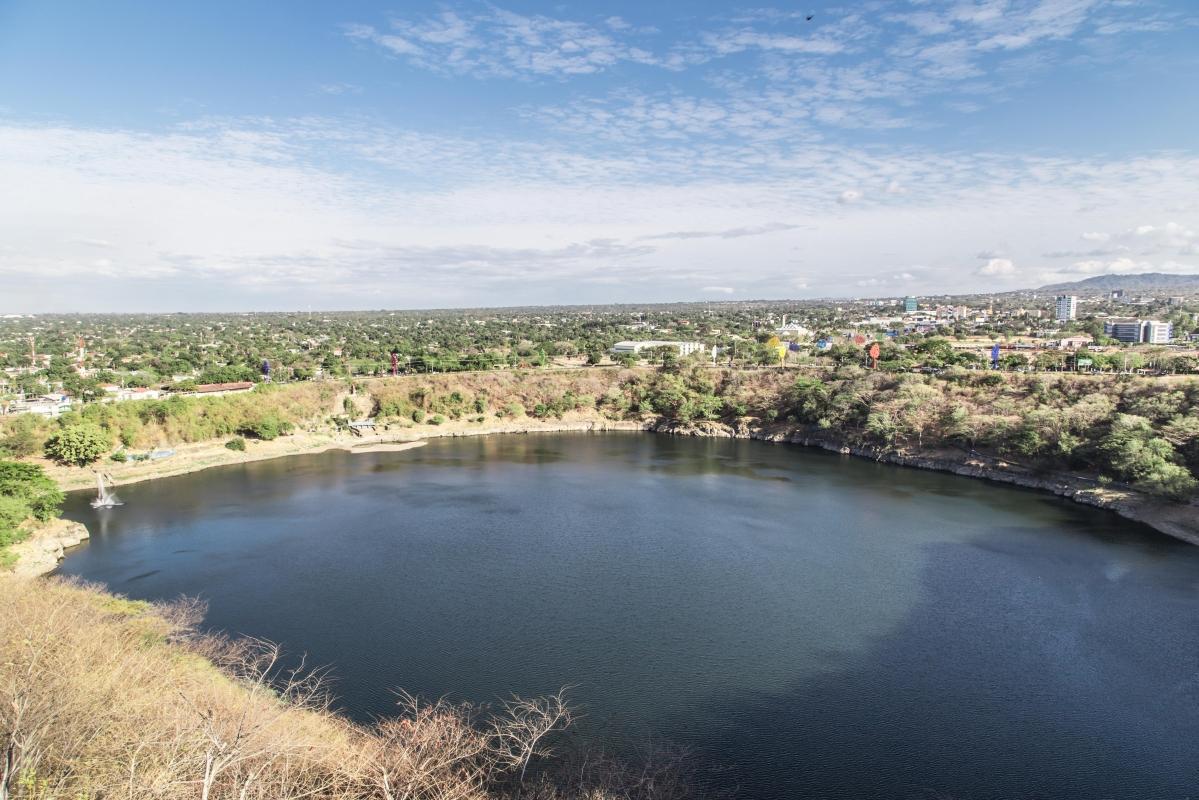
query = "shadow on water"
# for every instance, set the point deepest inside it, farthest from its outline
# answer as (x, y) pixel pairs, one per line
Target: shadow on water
(959, 702)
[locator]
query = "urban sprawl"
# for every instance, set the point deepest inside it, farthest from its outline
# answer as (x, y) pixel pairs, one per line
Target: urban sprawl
(54, 362)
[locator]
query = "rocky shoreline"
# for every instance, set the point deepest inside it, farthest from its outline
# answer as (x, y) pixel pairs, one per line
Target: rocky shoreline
(1179, 520)
(47, 543)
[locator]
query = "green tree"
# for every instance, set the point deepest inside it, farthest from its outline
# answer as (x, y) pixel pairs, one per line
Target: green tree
(1137, 454)
(267, 428)
(808, 399)
(22, 439)
(12, 513)
(79, 445)
(31, 486)
(882, 426)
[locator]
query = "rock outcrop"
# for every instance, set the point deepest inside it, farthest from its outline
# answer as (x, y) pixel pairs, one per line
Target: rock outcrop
(47, 542)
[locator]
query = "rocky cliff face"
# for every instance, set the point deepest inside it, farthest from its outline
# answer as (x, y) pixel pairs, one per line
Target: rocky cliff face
(41, 552)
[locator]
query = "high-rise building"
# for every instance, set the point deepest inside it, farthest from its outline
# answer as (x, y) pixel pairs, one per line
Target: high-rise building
(909, 305)
(1067, 307)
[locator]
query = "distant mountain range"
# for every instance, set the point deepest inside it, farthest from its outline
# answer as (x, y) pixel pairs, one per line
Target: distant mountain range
(1143, 282)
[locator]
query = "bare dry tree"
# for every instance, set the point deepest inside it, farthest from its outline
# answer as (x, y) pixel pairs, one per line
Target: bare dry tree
(433, 751)
(519, 733)
(243, 743)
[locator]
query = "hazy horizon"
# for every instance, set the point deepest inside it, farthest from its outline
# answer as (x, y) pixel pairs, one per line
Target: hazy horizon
(226, 158)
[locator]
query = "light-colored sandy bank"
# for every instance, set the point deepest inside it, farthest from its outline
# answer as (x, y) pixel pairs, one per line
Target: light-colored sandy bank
(195, 457)
(45, 547)
(383, 447)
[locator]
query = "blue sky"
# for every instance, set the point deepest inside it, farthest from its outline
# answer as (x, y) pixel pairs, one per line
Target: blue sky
(188, 156)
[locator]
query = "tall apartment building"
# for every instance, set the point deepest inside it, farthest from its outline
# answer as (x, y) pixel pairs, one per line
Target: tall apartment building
(1067, 307)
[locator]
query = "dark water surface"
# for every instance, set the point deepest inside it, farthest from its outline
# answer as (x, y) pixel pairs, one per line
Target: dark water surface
(826, 627)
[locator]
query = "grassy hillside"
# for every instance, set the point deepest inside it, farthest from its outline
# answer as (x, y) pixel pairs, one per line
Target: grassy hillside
(105, 697)
(145, 424)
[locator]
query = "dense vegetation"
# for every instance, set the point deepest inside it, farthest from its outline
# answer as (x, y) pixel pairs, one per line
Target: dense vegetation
(1139, 431)
(25, 493)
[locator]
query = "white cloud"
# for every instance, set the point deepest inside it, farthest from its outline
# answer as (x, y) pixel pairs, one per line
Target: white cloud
(730, 42)
(500, 43)
(996, 267)
(339, 88)
(848, 71)
(254, 208)
(1169, 238)
(718, 289)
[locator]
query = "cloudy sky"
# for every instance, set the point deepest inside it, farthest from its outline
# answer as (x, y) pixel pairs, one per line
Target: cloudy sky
(242, 156)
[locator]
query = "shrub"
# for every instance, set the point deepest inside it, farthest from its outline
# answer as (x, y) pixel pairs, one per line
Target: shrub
(119, 457)
(1136, 454)
(25, 491)
(12, 513)
(79, 445)
(436, 419)
(22, 439)
(237, 443)
(267, 428)
(418, 416)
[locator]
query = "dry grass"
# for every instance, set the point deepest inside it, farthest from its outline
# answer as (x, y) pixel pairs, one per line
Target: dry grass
(104, 697)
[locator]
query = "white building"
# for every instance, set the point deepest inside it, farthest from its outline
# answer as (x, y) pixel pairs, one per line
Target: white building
(793, 331)
(1139, 331)
(120, 393)
(684, 348)
(48, 405)
(1154, 332)
(1067, 307)
(1075, 342)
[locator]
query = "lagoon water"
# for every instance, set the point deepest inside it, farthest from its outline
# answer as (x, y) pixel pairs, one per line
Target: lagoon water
(820, 626)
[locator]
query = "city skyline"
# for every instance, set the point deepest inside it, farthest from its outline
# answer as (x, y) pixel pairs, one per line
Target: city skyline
(467, 154)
